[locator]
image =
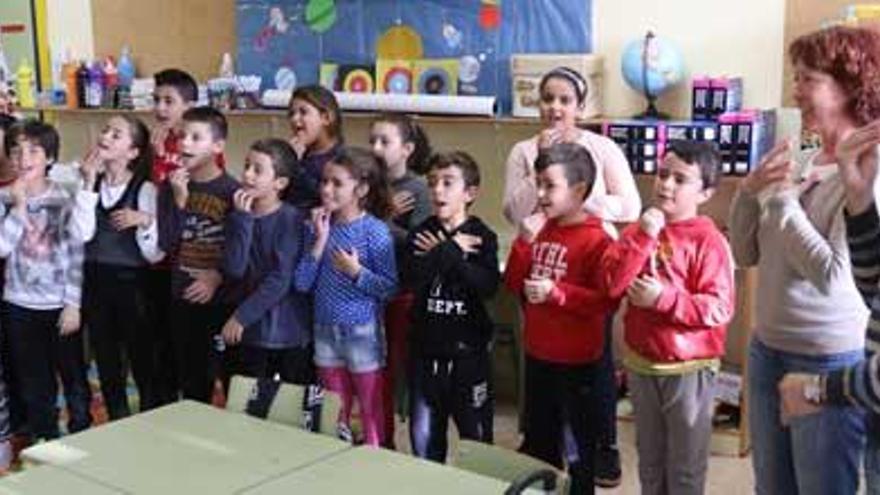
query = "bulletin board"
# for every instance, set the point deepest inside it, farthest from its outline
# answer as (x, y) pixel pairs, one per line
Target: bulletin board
(17, 33)
(285, 41)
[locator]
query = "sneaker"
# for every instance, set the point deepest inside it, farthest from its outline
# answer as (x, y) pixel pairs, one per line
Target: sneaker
(344, 433)
(607, 467)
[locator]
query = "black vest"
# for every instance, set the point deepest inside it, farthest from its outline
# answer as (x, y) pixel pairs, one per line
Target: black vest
(111, 246)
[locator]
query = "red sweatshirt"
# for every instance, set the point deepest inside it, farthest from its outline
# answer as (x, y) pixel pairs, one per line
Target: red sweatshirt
(694, 264)
(568, 328)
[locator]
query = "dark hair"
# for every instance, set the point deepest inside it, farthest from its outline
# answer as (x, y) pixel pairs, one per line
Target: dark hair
(181, 81)
(470, 171)
(410, 132)
(210, 116)
(6, 121)
(284, 160)
(572, 76)
(575, 159)
(40, 133)
(703, 154)
(142, 164)
(367, 169)
(851, 56)
(325, 101)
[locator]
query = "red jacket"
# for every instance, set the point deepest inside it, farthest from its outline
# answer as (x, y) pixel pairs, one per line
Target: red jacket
(694, 264)
(568, 328)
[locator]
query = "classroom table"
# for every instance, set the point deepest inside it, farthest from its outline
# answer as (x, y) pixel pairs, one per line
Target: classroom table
(51, 480)
(366, 471)
(186, 447)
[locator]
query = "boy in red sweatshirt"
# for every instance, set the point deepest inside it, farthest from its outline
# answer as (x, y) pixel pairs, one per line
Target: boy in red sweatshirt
(554, 267)
(675, 268)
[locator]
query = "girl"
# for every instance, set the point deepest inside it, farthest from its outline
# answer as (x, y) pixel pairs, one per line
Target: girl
(404, 148)
(316, 127)
(263, 247)
(117, 259)
(351, 270)
(614, 198)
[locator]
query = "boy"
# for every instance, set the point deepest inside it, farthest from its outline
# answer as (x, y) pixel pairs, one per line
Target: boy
(453, 268)
(193, 205)
(554, 267)
(675, 268)
(175, 93)
(43, 230)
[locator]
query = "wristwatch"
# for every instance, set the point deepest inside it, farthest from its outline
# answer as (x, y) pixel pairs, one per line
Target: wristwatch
(814, 389)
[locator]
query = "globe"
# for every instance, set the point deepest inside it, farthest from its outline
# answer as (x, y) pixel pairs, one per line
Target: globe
(651, 66)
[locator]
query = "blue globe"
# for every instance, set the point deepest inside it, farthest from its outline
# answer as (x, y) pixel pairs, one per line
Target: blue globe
(664, 65)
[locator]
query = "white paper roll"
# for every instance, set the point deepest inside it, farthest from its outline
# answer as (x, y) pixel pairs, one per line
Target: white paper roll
(439, 104)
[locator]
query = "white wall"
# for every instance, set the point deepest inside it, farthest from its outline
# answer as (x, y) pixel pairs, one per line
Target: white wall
(70, 27)
(716, 37)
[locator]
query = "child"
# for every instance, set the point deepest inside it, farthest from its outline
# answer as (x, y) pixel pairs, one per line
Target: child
(554, 266)
(404, 148)
(125, 243)
(676, 270)
(453, 265)
(350, 267)
(42, 234)
(175, 93)
(263, 247)
(193, 206)
(614, 198)
(316, 127)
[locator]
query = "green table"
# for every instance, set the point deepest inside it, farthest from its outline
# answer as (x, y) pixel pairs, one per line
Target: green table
(365, 471)
(51, 480)
(186, 447)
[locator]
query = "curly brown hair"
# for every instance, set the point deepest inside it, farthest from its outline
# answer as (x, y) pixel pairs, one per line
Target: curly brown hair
(851, 56)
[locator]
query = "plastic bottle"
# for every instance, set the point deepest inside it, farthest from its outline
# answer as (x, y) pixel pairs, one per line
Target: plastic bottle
(126, 68)
(95, 86)
(82, 83)
(25, 84)
(111, 83)
(69, 74)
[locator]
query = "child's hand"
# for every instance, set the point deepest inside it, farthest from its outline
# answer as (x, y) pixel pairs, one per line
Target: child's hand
(321, 224)
(537, 290)
(531, 226)
(69, 321)
(347, 262)
(232, 331)
(19, 196)
(202, 290)
(644, 291)
(244, 201)
(298, 147)
(652, 221)
(126, 218)
(179, 180)
(89, 168)
(426, 241)
(467, 242)
(402, 203)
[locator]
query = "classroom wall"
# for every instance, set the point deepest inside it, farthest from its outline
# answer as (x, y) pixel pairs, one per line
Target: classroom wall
(716, 37)
(69, 23)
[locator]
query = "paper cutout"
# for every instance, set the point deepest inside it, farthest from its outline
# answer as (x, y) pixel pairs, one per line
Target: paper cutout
(436, 76)
(321, 15)
(400, 42)
(394, 76)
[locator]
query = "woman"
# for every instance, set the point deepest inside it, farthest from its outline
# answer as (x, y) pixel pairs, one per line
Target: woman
(809, 313)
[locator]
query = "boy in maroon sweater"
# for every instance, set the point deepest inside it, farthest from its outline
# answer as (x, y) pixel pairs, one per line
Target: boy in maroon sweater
(554, 267)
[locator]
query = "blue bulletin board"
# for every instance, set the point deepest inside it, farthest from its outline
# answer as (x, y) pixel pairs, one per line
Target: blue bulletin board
(286, 41)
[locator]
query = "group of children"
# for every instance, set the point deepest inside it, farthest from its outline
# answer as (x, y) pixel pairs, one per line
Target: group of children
(324, 262)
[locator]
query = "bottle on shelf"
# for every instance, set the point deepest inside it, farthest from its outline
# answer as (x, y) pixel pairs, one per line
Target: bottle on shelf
(25, 84)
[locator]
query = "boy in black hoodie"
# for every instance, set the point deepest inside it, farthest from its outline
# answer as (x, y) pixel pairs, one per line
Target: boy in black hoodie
(452, 267)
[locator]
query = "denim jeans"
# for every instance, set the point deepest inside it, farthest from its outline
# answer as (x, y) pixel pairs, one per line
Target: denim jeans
(814, 454)
(872, 456)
